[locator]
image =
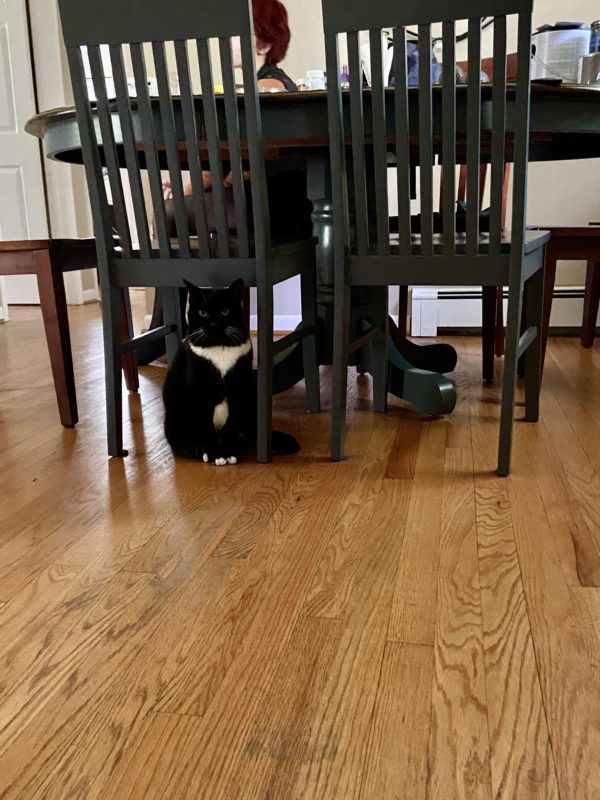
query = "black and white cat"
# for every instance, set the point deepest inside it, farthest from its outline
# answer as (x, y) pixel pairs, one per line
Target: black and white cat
(209, 392)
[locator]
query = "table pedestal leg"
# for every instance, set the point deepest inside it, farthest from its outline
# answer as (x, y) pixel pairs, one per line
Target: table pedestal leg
(415, 370)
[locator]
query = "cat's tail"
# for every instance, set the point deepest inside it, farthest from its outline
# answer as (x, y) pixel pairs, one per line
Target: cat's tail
(284, 443)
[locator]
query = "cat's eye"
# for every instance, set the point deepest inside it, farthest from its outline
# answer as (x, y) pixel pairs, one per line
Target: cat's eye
(224, 312)
(203, 313)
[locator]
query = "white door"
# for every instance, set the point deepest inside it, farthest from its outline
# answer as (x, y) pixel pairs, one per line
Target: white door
(22, 201)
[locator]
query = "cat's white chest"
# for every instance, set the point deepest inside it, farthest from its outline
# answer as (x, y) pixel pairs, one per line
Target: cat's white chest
(223, 358)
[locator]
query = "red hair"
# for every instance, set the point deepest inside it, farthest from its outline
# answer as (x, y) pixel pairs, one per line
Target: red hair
(271, 28)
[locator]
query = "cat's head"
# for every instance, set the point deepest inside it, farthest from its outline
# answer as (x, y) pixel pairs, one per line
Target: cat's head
(215, 316)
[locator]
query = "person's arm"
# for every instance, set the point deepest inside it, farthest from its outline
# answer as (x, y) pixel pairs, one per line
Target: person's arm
(270, 83)
(206, 181)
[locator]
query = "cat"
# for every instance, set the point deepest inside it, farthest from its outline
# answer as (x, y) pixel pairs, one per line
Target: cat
(210, 392)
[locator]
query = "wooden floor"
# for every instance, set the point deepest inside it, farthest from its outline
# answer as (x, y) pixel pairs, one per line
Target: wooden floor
(403, 625)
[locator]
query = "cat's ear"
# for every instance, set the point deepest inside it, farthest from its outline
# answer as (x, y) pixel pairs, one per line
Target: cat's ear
(237, 290)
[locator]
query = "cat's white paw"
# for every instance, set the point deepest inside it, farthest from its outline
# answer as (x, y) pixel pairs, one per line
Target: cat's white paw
(205, 458)
(232, 460)
(220, 462)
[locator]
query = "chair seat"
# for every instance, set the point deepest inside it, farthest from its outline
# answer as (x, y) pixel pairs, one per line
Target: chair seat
(534, 239)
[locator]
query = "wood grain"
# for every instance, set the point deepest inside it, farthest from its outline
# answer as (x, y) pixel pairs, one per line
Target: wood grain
(413, 613)
(459, 749)
(522, 763)
(396, 764)
(568, 679)
(401, 625)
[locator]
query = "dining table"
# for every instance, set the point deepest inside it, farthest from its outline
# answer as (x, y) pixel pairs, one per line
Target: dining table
(564, 124)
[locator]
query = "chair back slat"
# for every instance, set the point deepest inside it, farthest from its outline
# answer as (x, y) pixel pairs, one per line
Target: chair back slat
(233, 140)
(425, 141)
(109, 149)
(91, 154)
(449, 136)
(254, 138)
(209, 108)
(358, 145)
(337, 149)
(150, 149)
(498, 130)
(379, 144)
(130, 151)
(402, 149)
(188, 112)
(170, 146)
(473, 135)
(521, 134)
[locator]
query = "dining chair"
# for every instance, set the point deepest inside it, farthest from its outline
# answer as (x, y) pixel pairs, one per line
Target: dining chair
(48, 260)
(574, 243)
(184, 133)
(363, 257)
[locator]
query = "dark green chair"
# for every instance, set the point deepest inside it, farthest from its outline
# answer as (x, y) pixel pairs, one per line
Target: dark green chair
(399, 129)
(184, 133)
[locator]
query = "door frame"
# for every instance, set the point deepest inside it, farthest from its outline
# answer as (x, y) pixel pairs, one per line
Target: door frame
(67, 203)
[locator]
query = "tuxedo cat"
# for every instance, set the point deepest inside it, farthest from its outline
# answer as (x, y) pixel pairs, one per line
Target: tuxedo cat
(210, 392)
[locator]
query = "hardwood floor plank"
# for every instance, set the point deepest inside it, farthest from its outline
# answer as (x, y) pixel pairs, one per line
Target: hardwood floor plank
(521, 754)
(413, 614)
(396, 763)
(569, 681)
(459, 765)
(344, 718)
(331, 586)
(403, 458)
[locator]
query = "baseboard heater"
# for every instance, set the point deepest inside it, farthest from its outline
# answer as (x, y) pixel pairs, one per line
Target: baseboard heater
(457, 310)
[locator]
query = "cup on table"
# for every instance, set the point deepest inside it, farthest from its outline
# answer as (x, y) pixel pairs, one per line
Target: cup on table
(315, 79)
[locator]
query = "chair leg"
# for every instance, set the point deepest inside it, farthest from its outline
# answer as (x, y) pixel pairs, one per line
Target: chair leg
(549, 280)
(590, 303)
(513, 328)
(488, 330)
(533, 354)
(379, 368)
(129, 360)
(56, 324)
(172, 316)
(112, 369)
(499, 336)
(341, 333)
(309, 343)
(246, 306)
(403, 310)
(524, 317)
(264, 393)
